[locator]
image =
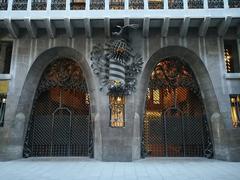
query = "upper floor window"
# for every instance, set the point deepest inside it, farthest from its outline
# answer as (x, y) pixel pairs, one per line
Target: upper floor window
(97, 4)
(175, 4)
(116, 4)
(235, 110)
(3, 4)
(58, 5)
(78, 5)
(234, 3)
(155, 4)
(5, 57)
(231, 56)
(215, 4)
(195, 4)
(19, 5)
(136, 4)
(39, 4)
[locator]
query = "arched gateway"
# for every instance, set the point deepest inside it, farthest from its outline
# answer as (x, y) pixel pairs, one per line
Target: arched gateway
(175, 121)
(60, 123)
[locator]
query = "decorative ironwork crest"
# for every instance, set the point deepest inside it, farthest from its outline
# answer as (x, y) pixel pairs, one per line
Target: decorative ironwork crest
(116, 64)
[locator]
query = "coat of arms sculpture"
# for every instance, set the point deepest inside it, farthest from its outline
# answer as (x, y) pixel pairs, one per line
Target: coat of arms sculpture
(116, 64)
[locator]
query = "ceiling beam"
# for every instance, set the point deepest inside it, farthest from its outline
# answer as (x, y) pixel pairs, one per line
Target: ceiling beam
(31, 27)
(165, 27)
(87, 27)
(184, 27)
(222, 29)
(146, 23)
(51, 29)
(204, 26)
(107, 27)
(12, 28)
(68, 27)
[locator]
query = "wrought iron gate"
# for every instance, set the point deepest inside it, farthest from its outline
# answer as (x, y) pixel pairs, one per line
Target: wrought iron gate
(175, 123)
(60, 123)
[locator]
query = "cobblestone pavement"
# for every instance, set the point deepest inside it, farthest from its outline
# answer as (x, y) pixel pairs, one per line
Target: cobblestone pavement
(145, 169)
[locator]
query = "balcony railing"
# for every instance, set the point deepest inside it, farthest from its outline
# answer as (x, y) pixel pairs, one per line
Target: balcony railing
(97, 4)
(78, 5)
(215, 4)
(175, 4)
(39, 5)
(136, 4)
(58, 5)
(19, 5)
(118, 4)
(155, 4)
(195, 4)
(3, 4)
(234, 3)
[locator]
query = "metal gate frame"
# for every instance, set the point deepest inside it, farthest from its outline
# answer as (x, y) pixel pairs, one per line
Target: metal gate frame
(57, 75)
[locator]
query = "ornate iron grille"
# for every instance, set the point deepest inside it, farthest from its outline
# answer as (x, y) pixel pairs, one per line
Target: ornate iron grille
(19, 5)
(3, 5)
(215, 4)
(174, 123)
(78, 5)
(39, 5)
(116, 4)
(58, 5)
(136, 4)
(234, 3)
(97, 4)
(60, 122)
(175, 4)
(195, 4)
(155, 4)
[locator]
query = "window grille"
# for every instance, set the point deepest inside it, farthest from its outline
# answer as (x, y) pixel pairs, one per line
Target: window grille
(116, 4)
(155, 4)
(231, 56)
(39, 5)
(234, 3)
(215, 4)
(97, 4)
(78, 5)
(19, 5)
(3, 4)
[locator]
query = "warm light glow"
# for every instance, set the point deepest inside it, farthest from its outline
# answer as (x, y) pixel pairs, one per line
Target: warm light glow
(228, 59)
(235, 110)
(117, 111)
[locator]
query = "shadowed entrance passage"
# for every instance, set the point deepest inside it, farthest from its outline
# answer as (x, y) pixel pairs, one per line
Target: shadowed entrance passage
(175, 122)
(60, 120)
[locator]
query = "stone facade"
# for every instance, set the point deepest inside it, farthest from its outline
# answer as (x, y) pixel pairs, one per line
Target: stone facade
(204, 55)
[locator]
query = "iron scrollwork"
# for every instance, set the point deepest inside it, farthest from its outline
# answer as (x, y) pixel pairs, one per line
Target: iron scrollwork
(4, 5)
(175, 4)
(36, 5)
(66, 76)
(116, 64)
(97, 5)
(19, 5)
(195, 4)
(215, 4)
(234, 3)
(58, 5)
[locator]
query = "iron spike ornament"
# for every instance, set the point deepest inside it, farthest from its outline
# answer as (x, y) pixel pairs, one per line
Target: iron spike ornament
(116, 64)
